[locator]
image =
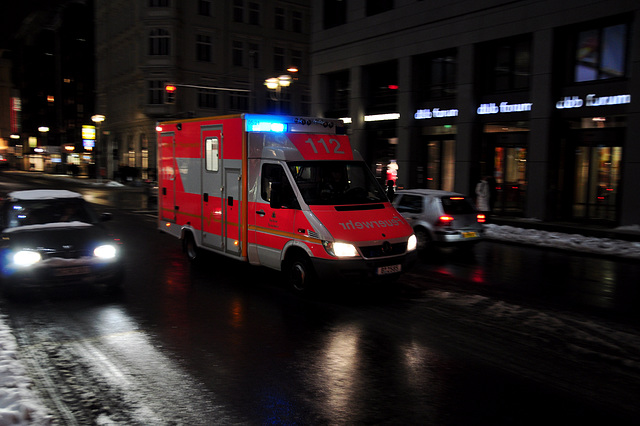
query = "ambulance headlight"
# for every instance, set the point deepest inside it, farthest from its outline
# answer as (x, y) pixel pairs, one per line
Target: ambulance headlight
(340, 249)
(412, 243)
(25, 258)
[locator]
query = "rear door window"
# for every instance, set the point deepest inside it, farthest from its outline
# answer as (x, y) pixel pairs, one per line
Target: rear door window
(457, 205)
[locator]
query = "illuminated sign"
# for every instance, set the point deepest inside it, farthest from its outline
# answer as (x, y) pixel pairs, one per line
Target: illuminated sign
(88, 132)
(592, 100)
(422, 114)
(503, 108)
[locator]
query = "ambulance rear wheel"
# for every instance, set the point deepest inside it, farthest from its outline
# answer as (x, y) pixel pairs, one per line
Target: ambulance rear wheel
(300, 274)
(190, 248)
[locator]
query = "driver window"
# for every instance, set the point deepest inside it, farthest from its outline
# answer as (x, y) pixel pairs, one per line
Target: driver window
(274, 174)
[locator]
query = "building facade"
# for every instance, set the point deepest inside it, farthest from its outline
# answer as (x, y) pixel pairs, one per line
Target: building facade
(218, 54)
(542, 96)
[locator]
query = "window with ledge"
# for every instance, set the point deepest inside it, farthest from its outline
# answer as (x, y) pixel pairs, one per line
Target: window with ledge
(203, 48)
(159, 42)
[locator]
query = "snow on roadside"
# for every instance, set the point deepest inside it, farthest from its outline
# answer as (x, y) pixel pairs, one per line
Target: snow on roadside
(18, 403)
(574, 242)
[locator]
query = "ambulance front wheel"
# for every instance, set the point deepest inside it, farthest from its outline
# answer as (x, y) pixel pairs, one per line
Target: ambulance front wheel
(299, 274)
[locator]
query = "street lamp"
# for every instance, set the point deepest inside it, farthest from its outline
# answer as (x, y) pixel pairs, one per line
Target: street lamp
(275, 84)
(98, 119)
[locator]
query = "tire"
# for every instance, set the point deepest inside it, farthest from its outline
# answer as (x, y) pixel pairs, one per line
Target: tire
(190, 248)
(299, 275)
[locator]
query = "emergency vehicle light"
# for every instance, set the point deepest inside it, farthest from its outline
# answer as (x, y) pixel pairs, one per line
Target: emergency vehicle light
(266, 126)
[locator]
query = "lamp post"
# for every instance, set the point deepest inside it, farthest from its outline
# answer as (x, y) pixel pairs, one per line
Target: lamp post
(275, 85)
(98, 119)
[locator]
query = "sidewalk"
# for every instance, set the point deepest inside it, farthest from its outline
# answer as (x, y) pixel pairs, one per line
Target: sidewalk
(625, 233)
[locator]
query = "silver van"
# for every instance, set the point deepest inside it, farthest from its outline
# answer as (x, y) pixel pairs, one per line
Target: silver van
(440, 218)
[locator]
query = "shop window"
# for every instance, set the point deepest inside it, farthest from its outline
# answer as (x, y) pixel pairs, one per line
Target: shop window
(600, 53)
(334, 13)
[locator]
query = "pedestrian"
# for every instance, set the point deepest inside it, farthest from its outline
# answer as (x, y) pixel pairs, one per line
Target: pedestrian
(482, 195)
(390, 191)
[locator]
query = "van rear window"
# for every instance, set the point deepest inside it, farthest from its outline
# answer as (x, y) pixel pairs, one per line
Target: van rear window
(457, 205)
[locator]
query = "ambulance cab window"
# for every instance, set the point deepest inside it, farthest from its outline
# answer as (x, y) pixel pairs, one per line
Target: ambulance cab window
(211, 154)
(273, 176)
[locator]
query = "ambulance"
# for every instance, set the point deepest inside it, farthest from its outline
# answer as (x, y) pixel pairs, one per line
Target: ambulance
(287, 193)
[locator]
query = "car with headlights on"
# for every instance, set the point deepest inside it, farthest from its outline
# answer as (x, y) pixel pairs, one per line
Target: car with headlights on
(440, 218)
(53, 238)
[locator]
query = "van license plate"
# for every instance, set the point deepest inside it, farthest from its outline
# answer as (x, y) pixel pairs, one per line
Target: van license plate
(386, 270)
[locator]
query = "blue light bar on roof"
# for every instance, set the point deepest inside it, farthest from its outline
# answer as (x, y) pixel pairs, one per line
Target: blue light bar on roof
(265, 124)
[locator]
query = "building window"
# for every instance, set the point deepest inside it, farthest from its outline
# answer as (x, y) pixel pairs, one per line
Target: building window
(279, 18)
(278, 59)
(296, 58)
(373, 7)
(435, 76)
(159, 42)
(238, 10)
(207, 99)
(203, 48)
(254, 55)
(204, 7)
(158, 3)
(338, 94)
(156, 92)
(254, 13)
(237, 54)
(334, 13)
(508, 65)
(600, 53)
(239, 101)
(296, 22)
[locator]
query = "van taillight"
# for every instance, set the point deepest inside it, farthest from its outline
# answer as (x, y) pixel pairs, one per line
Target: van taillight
(482, 218)
(445, 220)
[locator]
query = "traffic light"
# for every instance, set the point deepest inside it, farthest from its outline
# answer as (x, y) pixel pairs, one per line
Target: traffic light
(170, 89)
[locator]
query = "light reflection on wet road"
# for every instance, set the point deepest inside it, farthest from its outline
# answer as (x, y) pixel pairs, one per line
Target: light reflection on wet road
(262, 355)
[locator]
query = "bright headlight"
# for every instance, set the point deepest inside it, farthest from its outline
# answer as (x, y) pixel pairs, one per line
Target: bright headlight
(106, 251)
(340, 249)
(26, 258)
(412, 243)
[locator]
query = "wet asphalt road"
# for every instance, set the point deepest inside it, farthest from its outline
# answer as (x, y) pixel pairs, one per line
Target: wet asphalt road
(223, 343)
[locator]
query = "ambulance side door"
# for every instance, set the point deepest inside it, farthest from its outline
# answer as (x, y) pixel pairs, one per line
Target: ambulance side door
(274, 221)
(212, 203)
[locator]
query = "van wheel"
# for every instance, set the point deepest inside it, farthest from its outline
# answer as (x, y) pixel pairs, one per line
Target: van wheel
(300, 275)
(190, 248)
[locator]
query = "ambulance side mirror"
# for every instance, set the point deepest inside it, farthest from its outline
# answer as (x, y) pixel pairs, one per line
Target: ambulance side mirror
(275, 200)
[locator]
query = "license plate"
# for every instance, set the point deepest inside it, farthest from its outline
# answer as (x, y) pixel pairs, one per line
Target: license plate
(386, 270)
(469, 235)
(74, 270)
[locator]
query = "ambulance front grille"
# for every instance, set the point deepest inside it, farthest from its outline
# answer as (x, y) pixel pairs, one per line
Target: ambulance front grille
(385, 249)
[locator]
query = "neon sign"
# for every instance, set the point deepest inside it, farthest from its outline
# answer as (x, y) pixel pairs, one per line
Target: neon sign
(503, 107)
(435, 113)
(592, 101)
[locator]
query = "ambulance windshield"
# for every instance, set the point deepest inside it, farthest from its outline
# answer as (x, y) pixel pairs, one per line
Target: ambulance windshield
(336, 182)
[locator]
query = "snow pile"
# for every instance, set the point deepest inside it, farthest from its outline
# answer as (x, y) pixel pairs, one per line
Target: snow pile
(18, 403)
(574, 242)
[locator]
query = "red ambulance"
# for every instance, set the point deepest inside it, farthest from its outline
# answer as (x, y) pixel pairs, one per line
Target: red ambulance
(288, 193)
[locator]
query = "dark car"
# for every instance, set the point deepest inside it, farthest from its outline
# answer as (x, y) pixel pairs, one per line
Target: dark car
(440, 218)
(54, 238)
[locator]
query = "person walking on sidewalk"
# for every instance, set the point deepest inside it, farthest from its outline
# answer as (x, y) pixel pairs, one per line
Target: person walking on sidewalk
(482, 195)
